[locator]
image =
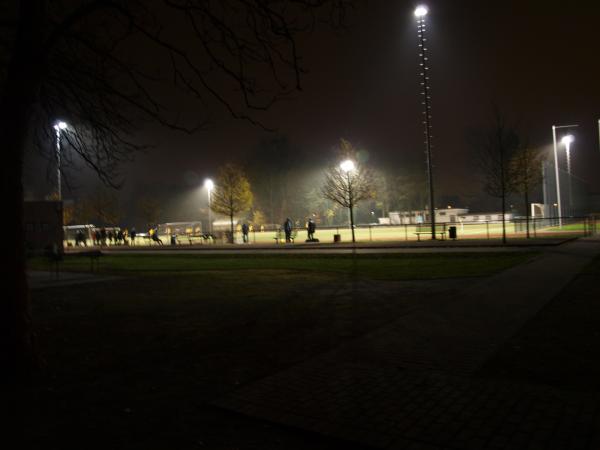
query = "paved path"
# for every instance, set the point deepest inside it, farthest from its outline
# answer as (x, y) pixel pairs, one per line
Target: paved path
(410, 385)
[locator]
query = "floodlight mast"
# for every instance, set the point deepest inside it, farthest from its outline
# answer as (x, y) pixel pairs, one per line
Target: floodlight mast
(556, 174)
(567, 141)
(58, 127)
(420, 13)
(209, 185)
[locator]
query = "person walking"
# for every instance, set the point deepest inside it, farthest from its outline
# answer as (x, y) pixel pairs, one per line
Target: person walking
(155, 238)
(132, 234)
(287, 228)
(245, 230)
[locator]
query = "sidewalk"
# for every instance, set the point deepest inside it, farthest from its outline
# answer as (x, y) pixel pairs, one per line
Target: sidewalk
(413, 384)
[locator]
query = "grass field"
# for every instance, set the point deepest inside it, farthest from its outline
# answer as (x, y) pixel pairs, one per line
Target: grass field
(383, 266)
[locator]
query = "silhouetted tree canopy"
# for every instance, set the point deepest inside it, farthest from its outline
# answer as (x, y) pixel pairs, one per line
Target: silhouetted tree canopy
(101, 66)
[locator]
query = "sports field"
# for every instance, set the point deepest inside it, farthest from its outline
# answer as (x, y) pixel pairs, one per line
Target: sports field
(377, 233)
(399, 233)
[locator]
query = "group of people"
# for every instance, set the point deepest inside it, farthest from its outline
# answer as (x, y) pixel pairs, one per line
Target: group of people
(103, 237)
(288, 228)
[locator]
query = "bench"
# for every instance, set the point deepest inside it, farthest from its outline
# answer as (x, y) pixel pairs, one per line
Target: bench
(427, 230)
(280, 236)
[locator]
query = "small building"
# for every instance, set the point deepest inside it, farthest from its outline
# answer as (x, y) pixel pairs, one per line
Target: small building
(70, 232)
(225, 225)
(43, 225)
(483, 217)
(180, 228)
(448, 215)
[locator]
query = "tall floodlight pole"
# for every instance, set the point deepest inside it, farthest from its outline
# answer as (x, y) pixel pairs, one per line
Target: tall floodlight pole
(348, 167)
(556, 174)
(208, 183)
(420, 14)
(58, 127)
(567, 141)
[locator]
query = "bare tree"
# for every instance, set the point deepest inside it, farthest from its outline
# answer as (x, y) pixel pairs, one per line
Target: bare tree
(232, 193)
(349, 182)
(526, 174)
(96, 64)
(494, 149)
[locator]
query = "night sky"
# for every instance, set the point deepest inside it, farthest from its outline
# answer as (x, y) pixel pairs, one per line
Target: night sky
(538, 61)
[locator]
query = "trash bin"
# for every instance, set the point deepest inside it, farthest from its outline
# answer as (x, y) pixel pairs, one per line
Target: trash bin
(452, 232)
(337, 238)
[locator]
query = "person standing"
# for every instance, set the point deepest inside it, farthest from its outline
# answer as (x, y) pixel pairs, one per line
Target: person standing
(245, 230)
(132, 234)
(287, 227)
(311, 228)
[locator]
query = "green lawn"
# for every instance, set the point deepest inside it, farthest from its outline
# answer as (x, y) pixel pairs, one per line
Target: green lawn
(382, 266)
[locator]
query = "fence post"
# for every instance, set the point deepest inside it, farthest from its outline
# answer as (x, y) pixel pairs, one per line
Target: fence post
(534, 227)
(406, 232)
(487, 227)
(370, 234)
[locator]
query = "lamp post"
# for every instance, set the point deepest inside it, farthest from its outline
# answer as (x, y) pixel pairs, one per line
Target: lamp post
(209, 185)
(58, 127)
(567, 141)
(420, 13)
(556, 174)
(348, 167)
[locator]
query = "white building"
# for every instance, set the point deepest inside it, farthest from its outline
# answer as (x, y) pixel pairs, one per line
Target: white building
(485, 217)
(448, 215)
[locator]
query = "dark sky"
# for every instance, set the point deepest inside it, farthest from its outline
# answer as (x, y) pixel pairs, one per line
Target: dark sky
(537, 60)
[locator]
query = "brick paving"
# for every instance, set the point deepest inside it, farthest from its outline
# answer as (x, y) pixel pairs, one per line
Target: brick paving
(411, 384)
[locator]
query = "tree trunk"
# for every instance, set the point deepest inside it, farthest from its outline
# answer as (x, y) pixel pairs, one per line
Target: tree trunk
(20, 89)
(231, 239)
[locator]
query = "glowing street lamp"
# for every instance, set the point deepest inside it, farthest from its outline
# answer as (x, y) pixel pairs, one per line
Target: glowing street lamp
(556, 174)
(567, 141)
(58, 127)
(348, 166)
(209, 185)
(420, 13)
